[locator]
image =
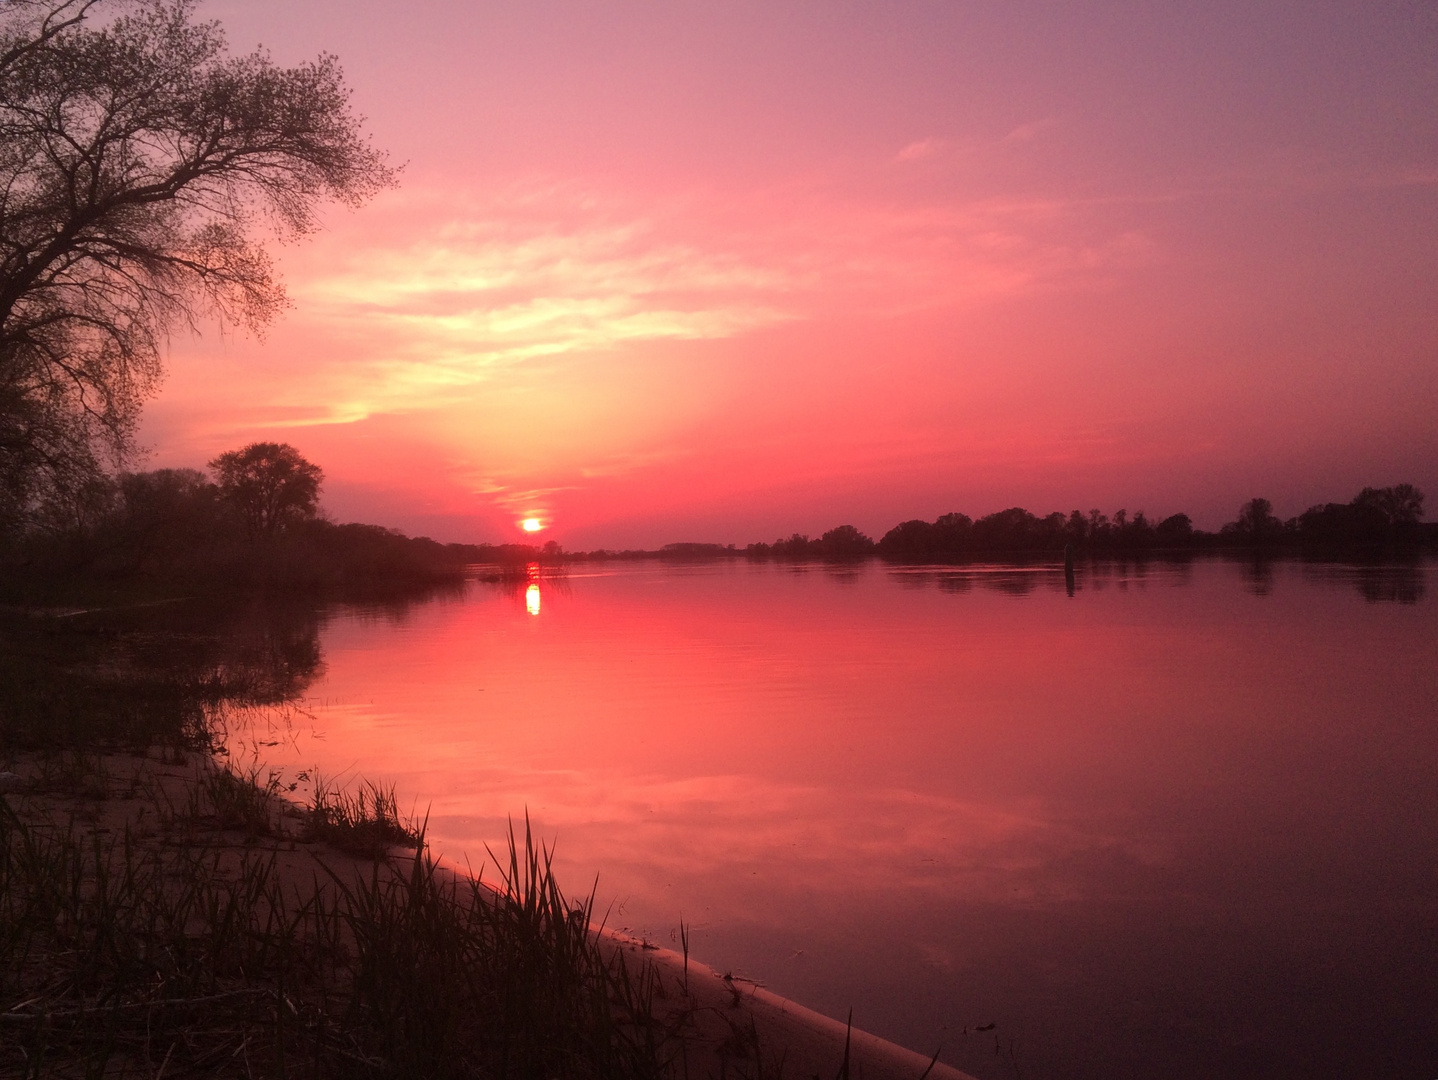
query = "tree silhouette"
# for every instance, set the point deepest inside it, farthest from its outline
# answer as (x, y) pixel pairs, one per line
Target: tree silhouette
(270, 484)
(1401, 504)
(845, 542)
(1175, 528)
(136, 157)
(1256, 522)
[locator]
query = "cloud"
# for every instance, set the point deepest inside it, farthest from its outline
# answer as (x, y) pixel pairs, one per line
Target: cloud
(443, 295)
(436, 292)
(924, 148)
(1027, 132)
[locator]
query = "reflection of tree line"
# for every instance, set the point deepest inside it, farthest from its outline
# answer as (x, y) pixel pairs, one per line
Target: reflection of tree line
(147, 674)
(136, 675)
(1386, 583)
(1394, 581)
(1394, 584)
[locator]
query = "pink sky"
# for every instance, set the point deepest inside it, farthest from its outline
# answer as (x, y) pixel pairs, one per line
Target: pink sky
(724, 272)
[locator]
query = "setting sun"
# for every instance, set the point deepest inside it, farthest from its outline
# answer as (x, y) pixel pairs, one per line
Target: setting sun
(531, 524)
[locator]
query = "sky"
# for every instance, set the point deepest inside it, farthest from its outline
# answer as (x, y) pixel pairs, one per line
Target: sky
(724, 271)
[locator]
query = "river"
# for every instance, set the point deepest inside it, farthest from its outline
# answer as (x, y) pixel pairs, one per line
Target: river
(1182, 822)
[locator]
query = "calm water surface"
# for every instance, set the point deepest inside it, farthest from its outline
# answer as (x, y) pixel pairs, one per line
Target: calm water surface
(1183, 823)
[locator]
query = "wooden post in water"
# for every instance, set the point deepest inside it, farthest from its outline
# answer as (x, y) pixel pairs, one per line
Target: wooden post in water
(1069, 568)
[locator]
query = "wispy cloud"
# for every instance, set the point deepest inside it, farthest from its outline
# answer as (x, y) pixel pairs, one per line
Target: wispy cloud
(443, 295)
(504, 318)
(426, 298)
(921, 149)
(1027, 132)
(518, 277)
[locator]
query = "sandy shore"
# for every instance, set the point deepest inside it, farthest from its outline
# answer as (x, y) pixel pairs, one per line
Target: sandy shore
(737, 1022)
(730, 1027)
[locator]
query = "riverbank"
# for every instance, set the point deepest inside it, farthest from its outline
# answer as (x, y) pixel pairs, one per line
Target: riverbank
(165, 915)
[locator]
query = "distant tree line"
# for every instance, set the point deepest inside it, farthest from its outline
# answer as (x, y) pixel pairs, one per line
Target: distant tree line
(252, 522)
(1375, 520)
(1374, 517)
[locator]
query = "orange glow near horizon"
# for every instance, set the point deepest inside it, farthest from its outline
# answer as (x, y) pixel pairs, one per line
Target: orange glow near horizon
(1069, 281)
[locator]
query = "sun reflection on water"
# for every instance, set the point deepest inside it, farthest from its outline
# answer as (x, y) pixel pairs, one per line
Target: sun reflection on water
(531, 599)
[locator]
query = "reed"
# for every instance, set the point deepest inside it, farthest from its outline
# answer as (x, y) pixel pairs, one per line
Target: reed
(122, 956)
(365, 822)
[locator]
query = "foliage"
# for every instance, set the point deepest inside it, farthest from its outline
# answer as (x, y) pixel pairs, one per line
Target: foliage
(1176, 528)
(137, 158)
(173, 531)
(270, 484)
(845, 542)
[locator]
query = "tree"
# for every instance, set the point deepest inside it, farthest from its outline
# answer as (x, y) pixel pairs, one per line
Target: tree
(1175, 528)
(1401, 504)
(137, 159)
(845, 542)
(270, 485)
(1256, 522)
(165, 511)
(1008, 530)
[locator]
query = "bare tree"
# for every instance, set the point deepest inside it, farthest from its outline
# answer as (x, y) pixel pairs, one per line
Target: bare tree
(137, 160)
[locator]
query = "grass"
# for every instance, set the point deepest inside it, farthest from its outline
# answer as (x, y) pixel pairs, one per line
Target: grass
(122, 957)
(177, 946)
(364, 823)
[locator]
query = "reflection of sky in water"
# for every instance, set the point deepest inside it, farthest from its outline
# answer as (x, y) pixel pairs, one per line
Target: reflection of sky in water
(1129, 826)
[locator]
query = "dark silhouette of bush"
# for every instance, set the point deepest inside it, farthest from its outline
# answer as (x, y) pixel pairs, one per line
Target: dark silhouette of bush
(952, 530)
(173, 531)
(162, 514)
(688, 550)
(957, 536)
